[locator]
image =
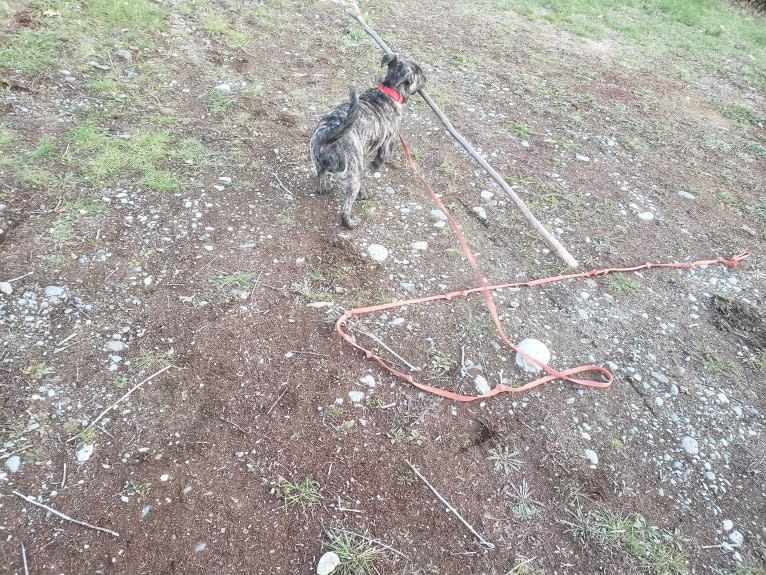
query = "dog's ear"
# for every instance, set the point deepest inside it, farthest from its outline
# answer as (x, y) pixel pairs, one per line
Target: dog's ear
(388, 59)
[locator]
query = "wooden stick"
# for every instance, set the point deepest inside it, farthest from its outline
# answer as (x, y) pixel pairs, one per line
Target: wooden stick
(64, 516)
(483, 542)
(384, 346)
(111, 407)
(356, 14)
(24, 558)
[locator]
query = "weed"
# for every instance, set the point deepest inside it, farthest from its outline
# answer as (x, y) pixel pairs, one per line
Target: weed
(477, 328)
(728, 199)
(335, 411)
(221, 101)
(505, 461)
(303, 494)
(396, 435)
(710, 141)
(120, 382)
(6, 137)
(44, 150)
(524, 506)
(225, 281)
(252, 92)
(521, 130)
(758, 362)
(220, 26)
(30, 51)
(623, 283)
(149, 360)
(307, 289)
(356, 552)
(140, 488)
(712, 362)
(87, 436)
(37, 371)
(441, 363)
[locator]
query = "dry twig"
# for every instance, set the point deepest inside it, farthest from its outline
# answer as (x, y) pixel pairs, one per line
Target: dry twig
(483, 542)
(63, 515)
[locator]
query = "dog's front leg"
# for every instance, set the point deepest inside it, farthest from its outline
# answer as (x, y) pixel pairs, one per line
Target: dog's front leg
(383, 152)
(351, 187)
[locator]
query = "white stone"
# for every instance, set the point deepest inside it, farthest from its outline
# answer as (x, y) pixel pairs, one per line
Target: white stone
(164, 477)
(582, 158)
(736, 537)
(481, 212)
(482, 385)
(13, 463)
(439, 215)
(690, 445)
(727, 524)
(534, 348)
(115, 345)
(84, 453)
(487, 195)
(54, 291)
(686, 195)
(356, 396)
(722, 399)
(6, 288)
(327, 563)
(646, 216)
(377, 252)
(223, 88)
(200, 547)
(367, 380)
(591, 456)
(420, 246)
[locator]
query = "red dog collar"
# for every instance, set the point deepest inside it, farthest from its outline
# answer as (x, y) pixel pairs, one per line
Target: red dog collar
(390, 92)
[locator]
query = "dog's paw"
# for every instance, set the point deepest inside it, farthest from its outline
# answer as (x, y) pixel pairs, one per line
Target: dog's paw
(349, 221)
(365, 195)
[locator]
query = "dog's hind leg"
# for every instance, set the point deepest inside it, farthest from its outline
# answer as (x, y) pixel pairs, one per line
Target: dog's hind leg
(351, 187)
(322, 185)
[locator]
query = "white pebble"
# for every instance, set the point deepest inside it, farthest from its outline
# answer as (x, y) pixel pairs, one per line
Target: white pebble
(727, 524)
(84, 453)
(420, 246)
(537, 350)
(646, 216)
(367, 380)
(200, 547)
(327, 563)
(377, 252)
(13, 463)
(591, 456)
(736, 537)
(164, 477)
(690, 445)
(482, 385)
(356, 396)
(6, 288)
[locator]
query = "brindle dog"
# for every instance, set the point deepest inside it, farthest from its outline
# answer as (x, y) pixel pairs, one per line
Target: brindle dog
(362, 129)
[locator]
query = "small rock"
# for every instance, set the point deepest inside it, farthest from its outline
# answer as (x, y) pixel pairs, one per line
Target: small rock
(582, 158)
(439, 215)
(420, 246)
(727, 524)
(125, 54)
(487, 195)
(200, 547)
(97, 65)
(482, 385)
(569, 400)
(660, 377)
(6, 288)
(481, 212)
(591, 456)
(646, 216)
(690, 445)
(686, 195)
(223, 87)
(115, 345)
(327, 563)
(13, 463)
(722, 399)
(356, 396)
(534, 348)
(54, 291)
(84, 453)
(736, 538)
(377, 252)
(367, 380)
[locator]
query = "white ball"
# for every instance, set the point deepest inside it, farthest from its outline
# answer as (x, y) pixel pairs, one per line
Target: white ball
(534, 348)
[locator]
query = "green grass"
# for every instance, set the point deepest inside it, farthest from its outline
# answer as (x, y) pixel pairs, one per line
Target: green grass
(505, 461)
(142, 157)
(6, 137)
(139, 488)
(623, 283)
(654, 548)
(218, 25)
(303, 494)
(225, 281)
(30, 51)
(356, 552)
(696, 34)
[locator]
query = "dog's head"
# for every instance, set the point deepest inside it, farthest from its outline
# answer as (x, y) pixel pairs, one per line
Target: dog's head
(403, 76)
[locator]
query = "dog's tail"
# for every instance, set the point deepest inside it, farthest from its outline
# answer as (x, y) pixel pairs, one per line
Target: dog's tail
(348, 122)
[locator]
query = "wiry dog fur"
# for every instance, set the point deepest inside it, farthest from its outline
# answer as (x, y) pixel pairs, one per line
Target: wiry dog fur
(359, 130)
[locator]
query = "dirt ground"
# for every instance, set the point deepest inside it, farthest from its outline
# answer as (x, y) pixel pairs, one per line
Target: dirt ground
(156, 210)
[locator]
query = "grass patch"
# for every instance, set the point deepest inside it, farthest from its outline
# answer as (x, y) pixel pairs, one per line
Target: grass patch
(524, 507)
(218, 25)
(505, 461)
(653, 547)
(235, 280)
(30, 51)
(356, 552)
(303, 494)
(623, 283)
(139, 488)
(144, 156)
(441, 363)
(6, 137)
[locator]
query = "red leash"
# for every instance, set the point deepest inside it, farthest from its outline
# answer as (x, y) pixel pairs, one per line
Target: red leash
(486, 289)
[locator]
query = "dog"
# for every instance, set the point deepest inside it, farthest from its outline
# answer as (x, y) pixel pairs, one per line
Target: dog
(360, 130)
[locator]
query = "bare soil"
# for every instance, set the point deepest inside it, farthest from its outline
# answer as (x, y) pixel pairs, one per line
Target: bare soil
(592, 134)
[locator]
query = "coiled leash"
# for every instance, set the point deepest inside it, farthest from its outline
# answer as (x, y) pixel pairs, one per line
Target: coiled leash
(486, 289)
